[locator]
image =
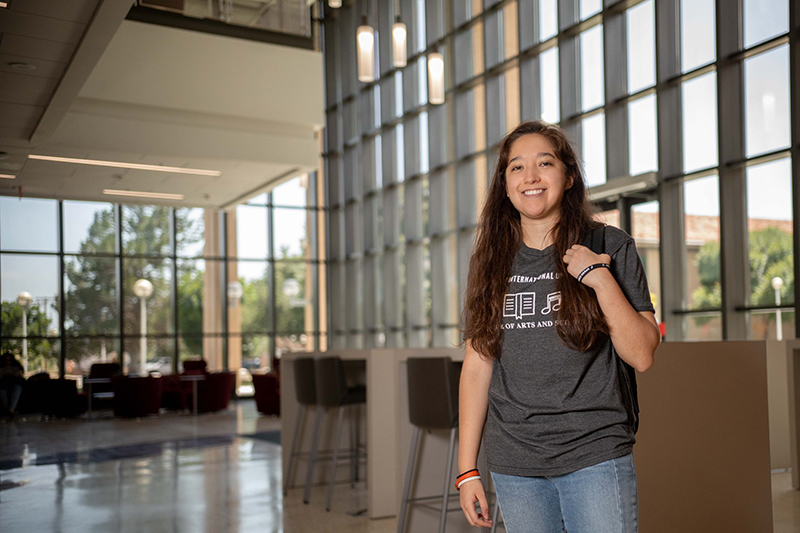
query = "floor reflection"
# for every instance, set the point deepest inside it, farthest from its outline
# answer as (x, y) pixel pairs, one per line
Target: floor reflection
(170, 482)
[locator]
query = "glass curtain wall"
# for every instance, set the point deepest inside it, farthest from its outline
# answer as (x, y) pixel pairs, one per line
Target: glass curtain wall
(151, 286)
(680, 110)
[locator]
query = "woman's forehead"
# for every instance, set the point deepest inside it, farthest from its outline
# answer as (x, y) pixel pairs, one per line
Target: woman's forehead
(531, 144)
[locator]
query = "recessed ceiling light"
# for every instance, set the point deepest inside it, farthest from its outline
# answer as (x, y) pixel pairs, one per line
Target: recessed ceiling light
(19, 65)
(144, 194)
(4, 4)
(7, 176)
(133, 166)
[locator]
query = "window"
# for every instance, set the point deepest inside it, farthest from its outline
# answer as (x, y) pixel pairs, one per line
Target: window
(548, 19)
(703, 288)
(548, 65)
(766, 86)
(641, 47)
(645, 229)
(593, 149)
(700, 123)
(764, 19)
(770, 247)
(146, 230)
(252, 232)
(698, 33)
(592, 91)
(643, 150)
(590, 7)
(89, 228)
(28, 224)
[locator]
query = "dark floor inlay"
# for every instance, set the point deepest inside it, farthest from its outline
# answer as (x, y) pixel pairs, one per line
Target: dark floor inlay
(129, 451)
(269, 436)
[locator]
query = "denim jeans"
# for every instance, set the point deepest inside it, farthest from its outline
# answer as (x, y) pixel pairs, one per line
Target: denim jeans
(597, 499)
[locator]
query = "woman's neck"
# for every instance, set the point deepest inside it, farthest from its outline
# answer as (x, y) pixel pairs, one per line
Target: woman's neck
(538, 234)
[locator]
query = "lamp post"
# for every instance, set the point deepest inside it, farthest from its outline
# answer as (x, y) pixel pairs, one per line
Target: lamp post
(777, 283)
(142, 289)
(24, 299)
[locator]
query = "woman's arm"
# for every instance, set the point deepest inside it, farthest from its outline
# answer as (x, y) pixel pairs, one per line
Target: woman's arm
(635, 334)
(473, 402)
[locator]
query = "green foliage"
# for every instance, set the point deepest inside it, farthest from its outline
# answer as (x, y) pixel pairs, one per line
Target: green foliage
(42, 354)
(770, 255)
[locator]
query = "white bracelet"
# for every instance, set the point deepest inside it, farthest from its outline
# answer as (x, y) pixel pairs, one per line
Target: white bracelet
(465, 480)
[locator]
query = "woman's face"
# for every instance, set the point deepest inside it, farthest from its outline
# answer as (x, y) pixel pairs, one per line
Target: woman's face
(536, 179)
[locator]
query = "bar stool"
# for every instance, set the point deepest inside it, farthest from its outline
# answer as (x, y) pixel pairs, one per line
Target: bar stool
(432, 404)
(332, 391)
(306, 393)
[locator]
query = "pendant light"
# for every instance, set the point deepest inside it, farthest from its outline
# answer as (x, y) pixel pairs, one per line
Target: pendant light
(335, 3)
(398, 38)
(435, 78)
(366, 51)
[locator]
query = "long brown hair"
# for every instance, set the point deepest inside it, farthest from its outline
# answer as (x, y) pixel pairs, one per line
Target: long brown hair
(581, 324)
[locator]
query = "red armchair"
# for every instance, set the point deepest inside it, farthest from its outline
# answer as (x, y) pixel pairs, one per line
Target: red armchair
(137, 397)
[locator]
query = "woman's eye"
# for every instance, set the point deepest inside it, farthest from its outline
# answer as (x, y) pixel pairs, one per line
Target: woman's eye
(545, 163)
(516, 167)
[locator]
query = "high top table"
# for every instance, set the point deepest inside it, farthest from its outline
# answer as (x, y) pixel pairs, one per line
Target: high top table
(386, 420)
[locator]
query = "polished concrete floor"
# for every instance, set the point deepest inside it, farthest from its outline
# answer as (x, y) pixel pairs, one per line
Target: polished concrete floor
(214, 473)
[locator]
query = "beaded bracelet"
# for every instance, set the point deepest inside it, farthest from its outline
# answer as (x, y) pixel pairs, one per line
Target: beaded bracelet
(590, 268)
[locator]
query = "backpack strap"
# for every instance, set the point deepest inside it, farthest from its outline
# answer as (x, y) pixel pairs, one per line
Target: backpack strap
(595, 240)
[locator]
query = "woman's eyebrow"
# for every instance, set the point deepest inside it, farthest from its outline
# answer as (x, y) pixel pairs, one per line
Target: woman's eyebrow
(540, 154)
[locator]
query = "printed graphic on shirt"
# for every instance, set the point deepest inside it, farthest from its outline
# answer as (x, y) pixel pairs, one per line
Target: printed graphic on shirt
(553, 303)
(520, 306)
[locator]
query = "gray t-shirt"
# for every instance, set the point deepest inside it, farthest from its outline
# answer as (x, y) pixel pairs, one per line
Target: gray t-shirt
(553, 410)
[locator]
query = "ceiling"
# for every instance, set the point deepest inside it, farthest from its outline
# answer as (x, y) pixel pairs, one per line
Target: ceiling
(110, 89)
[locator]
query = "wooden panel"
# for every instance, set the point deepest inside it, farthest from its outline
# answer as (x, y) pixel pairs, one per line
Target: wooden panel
(702, 455)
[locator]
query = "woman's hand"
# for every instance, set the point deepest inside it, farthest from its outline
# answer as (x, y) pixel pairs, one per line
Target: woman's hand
(472, 492)
(579, 257)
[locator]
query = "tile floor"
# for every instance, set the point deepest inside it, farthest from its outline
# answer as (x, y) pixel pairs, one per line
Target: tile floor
(178, 473)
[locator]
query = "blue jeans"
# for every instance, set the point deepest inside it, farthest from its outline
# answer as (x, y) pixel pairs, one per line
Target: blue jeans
(597, 499)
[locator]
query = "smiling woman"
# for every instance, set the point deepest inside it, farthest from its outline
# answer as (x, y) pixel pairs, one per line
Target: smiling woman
(549, 324)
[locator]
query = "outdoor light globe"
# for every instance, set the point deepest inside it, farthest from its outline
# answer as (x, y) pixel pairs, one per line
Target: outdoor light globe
(142, 288)
(235, 290)
(24, 299)
(777, 283)
(291, 288)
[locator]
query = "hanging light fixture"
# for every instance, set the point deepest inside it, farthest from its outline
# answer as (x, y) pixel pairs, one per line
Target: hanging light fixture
(435, 78)
(366, 51)
(398, 38)
(335, 3)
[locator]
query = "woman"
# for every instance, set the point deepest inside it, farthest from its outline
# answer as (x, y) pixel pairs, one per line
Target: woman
(541, 369)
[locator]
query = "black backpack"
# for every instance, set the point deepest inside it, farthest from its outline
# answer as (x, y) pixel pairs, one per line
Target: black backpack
(595, 240)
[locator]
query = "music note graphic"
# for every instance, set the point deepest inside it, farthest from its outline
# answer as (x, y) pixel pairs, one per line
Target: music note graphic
(553, 303)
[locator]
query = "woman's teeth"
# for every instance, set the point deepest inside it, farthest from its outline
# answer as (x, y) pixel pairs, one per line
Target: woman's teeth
(532, 192)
